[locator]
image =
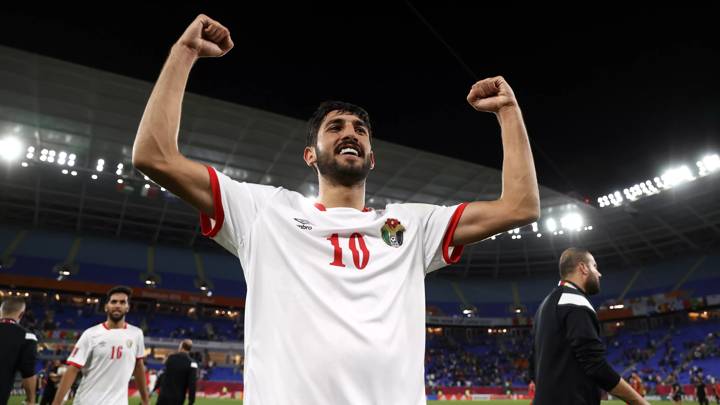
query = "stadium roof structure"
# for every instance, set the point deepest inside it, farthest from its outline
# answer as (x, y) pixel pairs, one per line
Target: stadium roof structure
(56, 108)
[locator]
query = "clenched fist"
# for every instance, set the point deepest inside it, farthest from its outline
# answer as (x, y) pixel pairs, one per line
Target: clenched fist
(491, 95)
(206, 37)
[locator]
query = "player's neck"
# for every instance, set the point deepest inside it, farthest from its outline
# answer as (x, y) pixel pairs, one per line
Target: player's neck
(110, 324)
(576, 282)
(334, 195)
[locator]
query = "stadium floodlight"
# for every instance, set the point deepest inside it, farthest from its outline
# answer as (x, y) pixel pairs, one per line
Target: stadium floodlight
(539, 235)
(10, 148)
(64, 171)
(24, 164)
(519, 236)
(147, 186)
(677, 175)
(534, 226)
(551, 225)
(120, 181)
(62, 156)
(94, 177)
(709, 164)
(73, 173)
(560, 232)
(572, 221)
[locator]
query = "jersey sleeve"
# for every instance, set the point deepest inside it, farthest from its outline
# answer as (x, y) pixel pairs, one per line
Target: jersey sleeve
(587, 347)
(437, 228)
(81, 352)
(140, 346)
(236, 206)
(28, 356)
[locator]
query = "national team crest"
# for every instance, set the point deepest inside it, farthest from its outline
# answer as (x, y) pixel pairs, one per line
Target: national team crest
(392, 232)
(129, 344)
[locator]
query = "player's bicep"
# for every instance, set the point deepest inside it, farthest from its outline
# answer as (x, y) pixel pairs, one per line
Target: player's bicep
(185, 178)
(483, 219)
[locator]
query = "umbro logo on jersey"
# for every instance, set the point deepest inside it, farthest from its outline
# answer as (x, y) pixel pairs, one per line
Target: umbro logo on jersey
(392, 232)
(304, 224)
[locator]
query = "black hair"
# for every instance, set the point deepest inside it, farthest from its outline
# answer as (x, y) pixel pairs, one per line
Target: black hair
(119, 289)
(324, 109)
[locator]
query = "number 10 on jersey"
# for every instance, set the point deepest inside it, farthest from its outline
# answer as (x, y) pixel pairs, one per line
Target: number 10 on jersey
(358, 247)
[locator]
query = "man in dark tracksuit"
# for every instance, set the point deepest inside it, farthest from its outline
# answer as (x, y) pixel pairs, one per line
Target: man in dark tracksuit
(569, 356)
(17, 351)
(180, 377)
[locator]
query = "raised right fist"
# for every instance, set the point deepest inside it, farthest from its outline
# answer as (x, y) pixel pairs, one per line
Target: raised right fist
(206, 37)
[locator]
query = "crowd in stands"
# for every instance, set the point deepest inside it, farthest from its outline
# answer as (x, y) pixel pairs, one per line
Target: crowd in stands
(455, 357)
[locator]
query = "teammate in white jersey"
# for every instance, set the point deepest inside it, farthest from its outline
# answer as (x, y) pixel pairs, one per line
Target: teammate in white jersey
(335, 305)
(108, 354)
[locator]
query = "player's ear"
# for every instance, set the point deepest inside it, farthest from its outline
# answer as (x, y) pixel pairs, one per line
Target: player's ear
(310, 156)
(372, 160)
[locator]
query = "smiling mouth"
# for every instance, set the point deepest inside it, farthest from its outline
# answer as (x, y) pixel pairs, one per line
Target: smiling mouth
(349, 150)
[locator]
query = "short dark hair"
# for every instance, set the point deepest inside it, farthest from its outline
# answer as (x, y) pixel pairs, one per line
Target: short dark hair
(570, 258)
(186, 345)
(119, 289)
(327, 107)
(12, 305)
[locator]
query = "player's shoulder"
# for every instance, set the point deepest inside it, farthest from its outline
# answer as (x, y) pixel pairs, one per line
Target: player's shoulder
(134, 330)
(96, 329)
(568, 298)
(416, 209)
(30, 336)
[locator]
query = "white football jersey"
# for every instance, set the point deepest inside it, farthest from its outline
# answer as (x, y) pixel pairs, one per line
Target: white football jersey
(335, 306)
(107, 360)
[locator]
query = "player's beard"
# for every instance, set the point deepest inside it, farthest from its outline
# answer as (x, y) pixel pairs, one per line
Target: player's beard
(592, 286)
(346, 175)
(115, 317)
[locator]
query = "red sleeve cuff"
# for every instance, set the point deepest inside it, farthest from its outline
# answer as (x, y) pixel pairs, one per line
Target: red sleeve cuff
(206, 226)
(72, 363)
(449, 234)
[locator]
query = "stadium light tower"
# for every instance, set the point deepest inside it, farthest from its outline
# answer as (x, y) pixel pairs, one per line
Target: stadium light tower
(10, 148)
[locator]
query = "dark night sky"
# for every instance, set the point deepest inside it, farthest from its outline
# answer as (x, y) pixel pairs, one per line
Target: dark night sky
(611, 95)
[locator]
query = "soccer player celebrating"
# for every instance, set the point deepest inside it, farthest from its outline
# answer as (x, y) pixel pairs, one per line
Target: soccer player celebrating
(335, 306)
(108, 355)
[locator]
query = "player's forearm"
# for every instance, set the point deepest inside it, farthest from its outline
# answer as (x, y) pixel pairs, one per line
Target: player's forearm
(624, 391)
(67, 380)
(156, 139)
(140, 382)
(30, 386)
(519, 182)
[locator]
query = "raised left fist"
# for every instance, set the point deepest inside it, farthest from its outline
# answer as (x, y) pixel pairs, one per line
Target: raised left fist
(491, 95)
